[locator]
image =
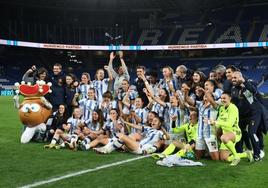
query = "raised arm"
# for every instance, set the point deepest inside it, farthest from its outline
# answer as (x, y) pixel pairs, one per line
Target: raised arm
(211, 100)
(171, 87)
(74, 101)
(166, 135)
(147, 85)
(47, 104)
(131, 124)
(26, 77)
(190, 107)
(110, 65)
(16, 99)
(110, 76)
(188, 99)
(124, 67)
(125, 100)
(156, 99)
(150, 104)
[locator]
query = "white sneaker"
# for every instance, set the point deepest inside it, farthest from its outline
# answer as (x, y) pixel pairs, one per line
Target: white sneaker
(250, 156)
(235, 162)
(160, 163)
(108, 148)
(149, 150)
(262, 154)
(96, 150)
(99, 150)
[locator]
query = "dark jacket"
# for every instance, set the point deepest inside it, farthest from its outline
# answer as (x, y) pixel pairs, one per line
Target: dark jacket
(140, 85)
(57, 96)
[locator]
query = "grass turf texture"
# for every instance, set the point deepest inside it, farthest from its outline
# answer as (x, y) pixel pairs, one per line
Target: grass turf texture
(25, 164)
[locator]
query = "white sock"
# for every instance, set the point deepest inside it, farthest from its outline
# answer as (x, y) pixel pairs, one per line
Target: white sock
(87, 140)
(54, 140)
(74, 138)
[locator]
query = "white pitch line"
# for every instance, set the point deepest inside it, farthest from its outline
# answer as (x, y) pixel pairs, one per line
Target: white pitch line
(81, 172)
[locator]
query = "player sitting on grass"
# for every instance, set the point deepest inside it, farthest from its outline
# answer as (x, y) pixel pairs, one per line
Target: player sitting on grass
(67, 132)
(110, 128)
(151, 136)
(190, 129)
(55, 121)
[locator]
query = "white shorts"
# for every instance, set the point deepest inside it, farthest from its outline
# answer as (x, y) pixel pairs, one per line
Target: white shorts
(29, 132)
(210, 143)
(141, 148)
(67, 137)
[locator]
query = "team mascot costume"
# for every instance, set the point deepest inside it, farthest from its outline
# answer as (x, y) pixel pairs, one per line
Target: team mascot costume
(35, 110)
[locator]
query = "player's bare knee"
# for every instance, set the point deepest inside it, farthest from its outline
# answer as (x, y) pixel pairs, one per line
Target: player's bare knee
(223, 156)
(58, 131)
(224, 139)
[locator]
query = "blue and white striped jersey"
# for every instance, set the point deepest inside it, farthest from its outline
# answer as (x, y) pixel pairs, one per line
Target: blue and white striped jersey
(107, 108)
(88, 106)
(111, 127)
(159, 109)
(132, 95)
(162, 112)
(182, 97)
(94, 126)
(142, 113)
(83, 90)
(74, 123)
(101, 87)
(206, 130)
(217, 94)
(163, 84)
(181, 116)
(151, 136)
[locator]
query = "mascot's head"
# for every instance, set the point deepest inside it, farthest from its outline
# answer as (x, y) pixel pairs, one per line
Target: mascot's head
(32, 110)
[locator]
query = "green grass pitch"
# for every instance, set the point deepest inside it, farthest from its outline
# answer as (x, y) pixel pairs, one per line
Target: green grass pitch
(25, 164)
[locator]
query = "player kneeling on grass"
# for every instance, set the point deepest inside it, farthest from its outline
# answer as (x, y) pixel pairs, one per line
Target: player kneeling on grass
(190, 129)
(146, 145)
(227, 121)
(207, 133)
(66, 134)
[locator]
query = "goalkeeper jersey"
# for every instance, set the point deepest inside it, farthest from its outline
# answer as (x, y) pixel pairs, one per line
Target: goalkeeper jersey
(228, 119)
(189, 129)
